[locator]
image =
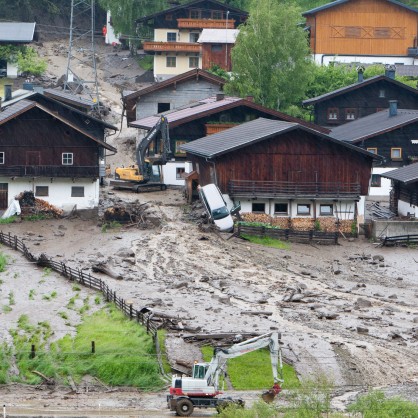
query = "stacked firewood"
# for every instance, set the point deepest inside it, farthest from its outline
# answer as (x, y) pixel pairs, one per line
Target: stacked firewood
(256, 217)
(32, 205)
(303, 224)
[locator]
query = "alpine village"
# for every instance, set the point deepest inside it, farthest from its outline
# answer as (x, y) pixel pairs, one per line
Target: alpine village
(209, 208)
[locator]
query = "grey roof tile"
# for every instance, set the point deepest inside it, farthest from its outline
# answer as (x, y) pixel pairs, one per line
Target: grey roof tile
(407, 174)
(17, 31)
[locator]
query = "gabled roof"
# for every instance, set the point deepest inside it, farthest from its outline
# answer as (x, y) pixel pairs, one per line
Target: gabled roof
(407, 174)
(211, 106)
(340, 2)
(17, 31)
(359, 85)
(218, 36)
(24, 105)
(250, 133)
(373, 125)
(187, 5)
(181, 78)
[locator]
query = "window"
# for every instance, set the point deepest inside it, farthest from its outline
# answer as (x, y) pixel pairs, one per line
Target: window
(372, 150)
(178, 151)
(77, 191)
(163, 107)
(194, 36)
(193, 62)
(396, 153)
(1, 157)
(332, 113)
(304, 209)
(180, 173)
(171, 37)
(382, 32)
(259, 207)
(67, 158)
(281, 208)
(171, 61)
(376, 181)
(382, 93)
(42, 191)
(352, 31)
(216, 48)
(217, 14)
(350, 114)
(195, 14)
(326, 210)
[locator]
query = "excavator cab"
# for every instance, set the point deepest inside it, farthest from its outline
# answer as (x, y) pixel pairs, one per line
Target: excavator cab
(199, 370)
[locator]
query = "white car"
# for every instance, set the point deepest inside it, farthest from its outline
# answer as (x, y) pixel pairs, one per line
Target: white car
(215, 205)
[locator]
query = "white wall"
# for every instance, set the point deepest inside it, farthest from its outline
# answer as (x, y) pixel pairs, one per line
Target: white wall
(162, 72)
(404, 208)
(59, 191)
(169, 173)
(111, 37)
(326, 59)
(12, 71)
(344, 210)
(386, 184)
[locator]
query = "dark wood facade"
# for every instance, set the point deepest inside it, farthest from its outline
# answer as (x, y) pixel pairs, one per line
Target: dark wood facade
(293, 160)
(362, 101)
(363, 27)
(406, 192)
(33, 145)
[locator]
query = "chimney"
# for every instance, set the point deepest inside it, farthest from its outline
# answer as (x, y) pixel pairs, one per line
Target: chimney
(390, 71)
(7, 92)
(360, 71)
(393, 107)
(250, 98)
(220, 96)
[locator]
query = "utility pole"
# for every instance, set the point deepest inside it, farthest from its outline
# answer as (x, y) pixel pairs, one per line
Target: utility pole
(226, 41)
(81, 51)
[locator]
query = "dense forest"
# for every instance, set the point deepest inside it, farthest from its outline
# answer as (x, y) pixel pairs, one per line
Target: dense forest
(52, 16)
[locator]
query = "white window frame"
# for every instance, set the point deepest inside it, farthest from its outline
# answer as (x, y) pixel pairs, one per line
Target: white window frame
(322, 213)
(67, 157)
(2, 157)
(281, 213)
(172, 33)
(304, 213)
(175, 61)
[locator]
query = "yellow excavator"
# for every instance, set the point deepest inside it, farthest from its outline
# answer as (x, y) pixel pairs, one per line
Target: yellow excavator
(146, 172)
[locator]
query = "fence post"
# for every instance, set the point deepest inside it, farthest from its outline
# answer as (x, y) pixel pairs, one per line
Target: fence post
(310, 235)
(130, 311)
(137, 316)
(148, 325)
(114, 296)
(335, 238)
(32, 351)
(93, 347)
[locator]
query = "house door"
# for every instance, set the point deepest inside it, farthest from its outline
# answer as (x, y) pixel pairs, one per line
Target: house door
(4, 199)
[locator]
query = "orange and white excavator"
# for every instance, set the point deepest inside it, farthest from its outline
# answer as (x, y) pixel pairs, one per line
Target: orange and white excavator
(201, 390)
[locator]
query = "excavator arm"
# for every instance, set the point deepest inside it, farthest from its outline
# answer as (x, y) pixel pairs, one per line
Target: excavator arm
(217, 364)
(144, 167)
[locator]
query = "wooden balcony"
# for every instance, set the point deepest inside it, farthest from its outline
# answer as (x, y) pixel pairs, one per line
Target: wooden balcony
(171, 47)
(290, 189)
(50, 171)
(206, 23)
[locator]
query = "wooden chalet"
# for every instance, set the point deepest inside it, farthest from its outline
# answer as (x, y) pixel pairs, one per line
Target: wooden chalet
(361, 99)
(283, 169)
(177, 91)
(404, 194)
(53, 150)
(363, 28)
(391, 134)
(175, 33)
(206, 117)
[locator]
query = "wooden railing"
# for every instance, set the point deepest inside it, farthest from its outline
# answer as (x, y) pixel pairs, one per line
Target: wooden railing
(206, 23)
(142, 316)
(290, 189)
(171, 46)
(318, 237)
(49, 171)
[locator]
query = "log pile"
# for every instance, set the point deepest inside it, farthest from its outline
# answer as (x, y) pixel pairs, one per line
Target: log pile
(303, 224)
(132, 214)
(282, 222)
(328, 224)
(256, 217)
(31, 205)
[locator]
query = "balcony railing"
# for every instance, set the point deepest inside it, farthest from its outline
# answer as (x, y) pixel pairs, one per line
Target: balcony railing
(206, 23)
(290, 189)
(50, 171)
(171, 47)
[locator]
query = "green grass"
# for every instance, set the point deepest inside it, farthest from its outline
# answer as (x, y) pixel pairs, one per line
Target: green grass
(146, 63)
(5, 355)
(253, 370)
(37, 217)
(268, 242)
(6, 309)
(111, 225)
(4, 260)
(8, 220)
(32, 294)
(162, 333)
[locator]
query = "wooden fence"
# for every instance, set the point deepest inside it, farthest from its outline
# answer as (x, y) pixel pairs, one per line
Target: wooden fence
(400, 239)
(292, 235)
(142, 316)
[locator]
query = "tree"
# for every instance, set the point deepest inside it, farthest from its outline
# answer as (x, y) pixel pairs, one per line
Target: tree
(29, 62)
(270, 59)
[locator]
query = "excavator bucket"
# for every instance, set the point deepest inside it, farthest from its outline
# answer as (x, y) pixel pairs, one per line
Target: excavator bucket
(269, 395)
